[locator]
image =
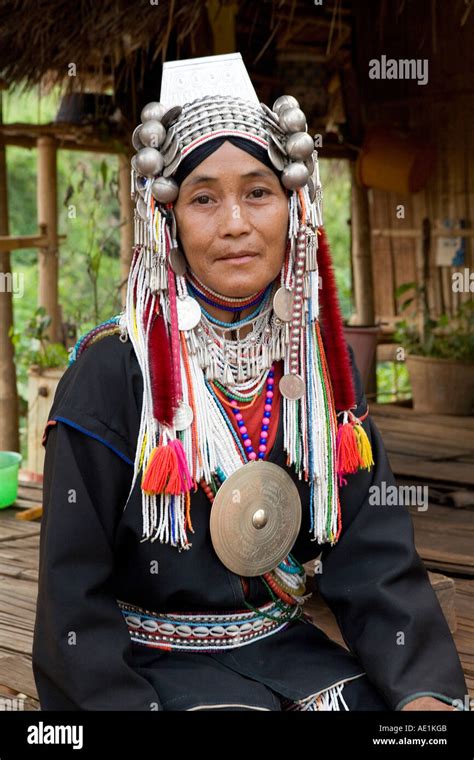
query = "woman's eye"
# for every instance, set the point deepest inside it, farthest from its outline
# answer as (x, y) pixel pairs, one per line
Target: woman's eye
(261, 192)
(201, 200)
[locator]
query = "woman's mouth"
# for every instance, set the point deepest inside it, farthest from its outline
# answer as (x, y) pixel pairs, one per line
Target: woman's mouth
(241, 257)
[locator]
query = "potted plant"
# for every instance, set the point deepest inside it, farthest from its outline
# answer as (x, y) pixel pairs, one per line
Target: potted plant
(439, 356)
(46, 362)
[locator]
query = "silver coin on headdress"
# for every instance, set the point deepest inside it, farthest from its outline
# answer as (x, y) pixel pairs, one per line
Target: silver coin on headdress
(283, 304)
(189, 313)
(171, 115)
(183, 416)
(292, 386)
(178, 261)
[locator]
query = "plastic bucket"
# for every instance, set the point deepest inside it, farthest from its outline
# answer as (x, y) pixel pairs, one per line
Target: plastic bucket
(9, 468)
(391, 160)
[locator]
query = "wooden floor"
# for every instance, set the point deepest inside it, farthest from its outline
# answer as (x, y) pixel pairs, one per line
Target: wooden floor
(436, 452)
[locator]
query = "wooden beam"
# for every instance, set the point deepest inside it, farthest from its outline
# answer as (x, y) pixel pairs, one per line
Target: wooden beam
(16, 242)
(67, 136)
(48, 216)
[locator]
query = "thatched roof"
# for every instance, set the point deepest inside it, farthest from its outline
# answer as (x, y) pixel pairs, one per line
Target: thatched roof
(41, 38)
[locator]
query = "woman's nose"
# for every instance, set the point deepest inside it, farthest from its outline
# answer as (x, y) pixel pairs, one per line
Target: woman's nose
(233, 219)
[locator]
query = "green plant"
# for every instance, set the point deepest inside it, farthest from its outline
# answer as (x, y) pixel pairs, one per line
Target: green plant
(34, 343)
(445, 337)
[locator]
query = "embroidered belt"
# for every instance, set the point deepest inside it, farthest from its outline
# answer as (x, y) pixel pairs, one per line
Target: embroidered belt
(199, 632)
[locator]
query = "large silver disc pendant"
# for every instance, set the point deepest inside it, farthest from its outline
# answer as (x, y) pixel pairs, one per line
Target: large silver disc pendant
(183, 416)
(283, 304)
(177, 261)
(292, 387)
(189, 313)
(255, 518)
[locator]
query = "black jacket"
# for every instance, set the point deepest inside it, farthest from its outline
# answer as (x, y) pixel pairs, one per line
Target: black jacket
(91, 555)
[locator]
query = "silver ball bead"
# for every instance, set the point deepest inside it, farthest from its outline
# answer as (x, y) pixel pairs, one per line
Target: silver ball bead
(152, 133)
(294, 175)
(299, 146)
(153, 110)
(164, 190)
(292, 120)
(149, 162)
(299, 289)
(284, 101)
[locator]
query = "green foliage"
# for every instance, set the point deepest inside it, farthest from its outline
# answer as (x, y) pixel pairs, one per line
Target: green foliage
(89, 266)
(34, 344)
(443, 338)
(336, 183)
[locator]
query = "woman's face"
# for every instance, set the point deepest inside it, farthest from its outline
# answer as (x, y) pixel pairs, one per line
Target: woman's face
(232, 217)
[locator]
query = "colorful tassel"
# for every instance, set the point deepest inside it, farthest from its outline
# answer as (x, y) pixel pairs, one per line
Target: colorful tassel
(364, 447)
(167, 470)
(353, 449)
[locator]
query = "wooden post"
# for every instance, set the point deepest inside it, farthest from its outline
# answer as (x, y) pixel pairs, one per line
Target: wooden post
(362, 267)
(126, 222)
(361, 253)
(9, 433)
(48, 223)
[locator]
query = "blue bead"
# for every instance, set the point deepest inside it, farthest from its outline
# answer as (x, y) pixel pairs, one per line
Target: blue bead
(265, 427)
(245, 436)
(263, 441)
(266, 414)
(240, 423)
(261, 455)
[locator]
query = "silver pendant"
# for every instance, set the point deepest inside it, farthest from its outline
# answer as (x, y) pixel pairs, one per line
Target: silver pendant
(252, 534)
(178, 262)
(292, 387)
(276, 157)
(283, 304)
(183, 417)
(189, 313)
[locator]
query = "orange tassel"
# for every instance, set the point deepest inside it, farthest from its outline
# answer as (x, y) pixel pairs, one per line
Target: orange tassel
(162, 472)
(347, 451)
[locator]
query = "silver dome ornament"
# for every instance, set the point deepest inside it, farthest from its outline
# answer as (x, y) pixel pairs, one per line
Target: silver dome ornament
(153, 111)
(292, 120)
(164, 190)
(295, 175)
(149, 162)
(285, 101)
(152, 133)
(299, 146)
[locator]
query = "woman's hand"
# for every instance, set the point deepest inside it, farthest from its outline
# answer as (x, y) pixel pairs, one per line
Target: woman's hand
(427, 703)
